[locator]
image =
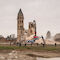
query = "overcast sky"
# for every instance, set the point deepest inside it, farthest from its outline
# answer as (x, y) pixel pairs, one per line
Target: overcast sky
(45, 12)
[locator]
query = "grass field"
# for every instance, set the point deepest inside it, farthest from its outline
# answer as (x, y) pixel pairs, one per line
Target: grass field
(32, 48)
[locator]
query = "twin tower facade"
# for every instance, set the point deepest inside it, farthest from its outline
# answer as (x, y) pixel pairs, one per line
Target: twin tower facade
(21, 32)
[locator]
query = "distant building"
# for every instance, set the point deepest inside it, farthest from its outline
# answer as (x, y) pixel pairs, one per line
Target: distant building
(2, 40)
(48, 35)
(21, 32)
(57, 37)
(1, 36)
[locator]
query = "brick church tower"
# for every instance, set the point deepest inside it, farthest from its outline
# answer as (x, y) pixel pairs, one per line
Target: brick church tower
(20, 26)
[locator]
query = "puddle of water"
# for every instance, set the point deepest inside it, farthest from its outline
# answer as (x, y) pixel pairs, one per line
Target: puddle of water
(57, 58)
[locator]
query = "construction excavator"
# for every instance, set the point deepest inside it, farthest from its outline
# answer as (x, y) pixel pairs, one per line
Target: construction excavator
(36, 38)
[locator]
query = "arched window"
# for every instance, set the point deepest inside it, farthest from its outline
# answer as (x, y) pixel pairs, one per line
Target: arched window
(22, 21)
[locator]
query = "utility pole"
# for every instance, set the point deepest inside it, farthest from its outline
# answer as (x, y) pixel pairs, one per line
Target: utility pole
(35, 26)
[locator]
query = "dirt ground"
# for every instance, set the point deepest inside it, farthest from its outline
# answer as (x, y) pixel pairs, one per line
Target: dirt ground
(25, 55)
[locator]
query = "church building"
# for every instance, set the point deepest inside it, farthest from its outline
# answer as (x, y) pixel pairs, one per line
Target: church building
(20, 27)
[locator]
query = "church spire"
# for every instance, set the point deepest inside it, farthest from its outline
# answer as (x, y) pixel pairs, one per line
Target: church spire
(20, 11)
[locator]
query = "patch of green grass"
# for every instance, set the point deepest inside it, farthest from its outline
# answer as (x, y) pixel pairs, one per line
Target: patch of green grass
(32, 48)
